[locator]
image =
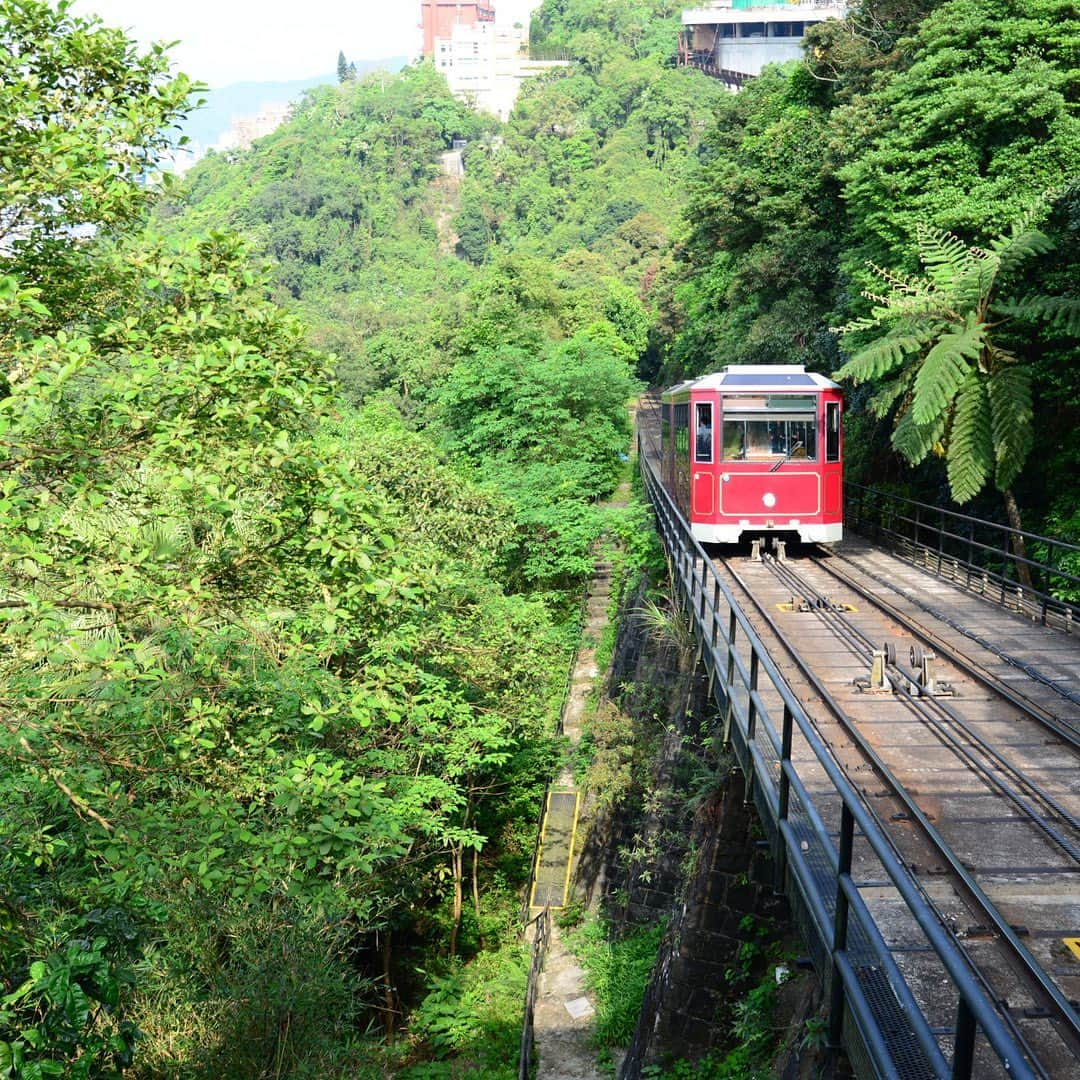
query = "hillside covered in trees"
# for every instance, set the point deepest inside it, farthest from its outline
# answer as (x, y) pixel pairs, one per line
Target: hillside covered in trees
(303, 462)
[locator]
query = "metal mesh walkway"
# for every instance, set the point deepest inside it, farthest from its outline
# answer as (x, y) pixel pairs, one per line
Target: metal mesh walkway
(556, 853)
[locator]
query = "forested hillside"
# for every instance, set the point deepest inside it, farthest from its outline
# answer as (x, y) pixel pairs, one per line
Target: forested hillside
(304, 461)
(913, 121)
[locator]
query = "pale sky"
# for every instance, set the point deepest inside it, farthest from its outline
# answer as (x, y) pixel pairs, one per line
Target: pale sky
(228, 41)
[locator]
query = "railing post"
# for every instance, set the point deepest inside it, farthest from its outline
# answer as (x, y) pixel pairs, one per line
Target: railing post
(751, 708)
(751, 726)
(1004, 567)
(964, 1044)
(784, 800)
(940, 541)
(840, 925)
(971, 552)
(701, 589)
(729, 679)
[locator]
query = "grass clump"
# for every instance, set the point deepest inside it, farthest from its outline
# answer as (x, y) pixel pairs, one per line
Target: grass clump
(618, 968)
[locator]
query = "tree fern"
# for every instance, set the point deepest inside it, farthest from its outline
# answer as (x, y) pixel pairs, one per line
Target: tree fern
(958, 387)
(970, 456)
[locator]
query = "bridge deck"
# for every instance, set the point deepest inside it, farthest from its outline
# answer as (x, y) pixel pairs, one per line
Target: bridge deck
(1031, 880)
(906, 865)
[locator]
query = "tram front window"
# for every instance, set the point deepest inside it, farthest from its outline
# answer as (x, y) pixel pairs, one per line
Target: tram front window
(768, 440)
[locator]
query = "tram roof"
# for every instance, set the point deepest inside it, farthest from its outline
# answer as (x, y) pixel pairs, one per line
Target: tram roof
(770, 378)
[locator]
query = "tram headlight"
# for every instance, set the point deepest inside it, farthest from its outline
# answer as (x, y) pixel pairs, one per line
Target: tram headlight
(769, 499)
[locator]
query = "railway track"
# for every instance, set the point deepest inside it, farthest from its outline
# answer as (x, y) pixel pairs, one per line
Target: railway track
(974, 781)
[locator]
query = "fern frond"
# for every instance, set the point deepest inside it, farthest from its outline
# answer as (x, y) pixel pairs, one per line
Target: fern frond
(889, 394)
(899, 282)
(1011, 415)
(1024, 239)
(1061, 312)
(970, 455)
(880, 357)
(971, 289)
(865, 323)
(944, 255)
(945, 368)
(915, 441)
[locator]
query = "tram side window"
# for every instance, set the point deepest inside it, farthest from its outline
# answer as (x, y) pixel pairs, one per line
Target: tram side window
(681, 434)
(734, 444)
(832, 431)
(703, 437)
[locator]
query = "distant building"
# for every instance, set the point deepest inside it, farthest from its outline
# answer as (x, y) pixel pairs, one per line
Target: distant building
(244, 130)
(484, 61)
(733, 40)
(438, 18)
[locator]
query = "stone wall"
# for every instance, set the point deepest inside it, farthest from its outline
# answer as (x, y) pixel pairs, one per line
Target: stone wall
(726, 901)
(687, 849)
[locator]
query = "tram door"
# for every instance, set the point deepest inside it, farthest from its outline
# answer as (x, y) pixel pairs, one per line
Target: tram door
(833, 467)
(704, 475)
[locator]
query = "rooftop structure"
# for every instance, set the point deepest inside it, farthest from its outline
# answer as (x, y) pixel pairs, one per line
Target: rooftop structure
(733, 40)
(438, 18)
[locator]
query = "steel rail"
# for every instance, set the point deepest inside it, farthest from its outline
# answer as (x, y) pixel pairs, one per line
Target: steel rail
(975, 1010)
(1050, 990)
(924, 705)
(1033, 709)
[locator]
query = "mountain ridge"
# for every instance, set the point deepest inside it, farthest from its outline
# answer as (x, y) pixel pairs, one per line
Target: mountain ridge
(208, 123)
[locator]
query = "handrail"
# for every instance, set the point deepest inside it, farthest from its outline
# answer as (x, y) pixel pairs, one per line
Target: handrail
(859, 970)
(982, 551)
(540, 945)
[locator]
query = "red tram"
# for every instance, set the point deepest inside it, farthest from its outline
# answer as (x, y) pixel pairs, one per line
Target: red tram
(755, 449)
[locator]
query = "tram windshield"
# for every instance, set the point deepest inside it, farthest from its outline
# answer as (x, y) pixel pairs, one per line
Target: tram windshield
(767, 427)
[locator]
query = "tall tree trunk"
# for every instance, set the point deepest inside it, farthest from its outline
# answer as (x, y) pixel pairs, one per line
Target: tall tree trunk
(388, 988)
(476, 892)
(456, 861)
(1012, 511)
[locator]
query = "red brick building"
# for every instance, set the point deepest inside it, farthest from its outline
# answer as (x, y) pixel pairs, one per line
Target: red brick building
(439, 17)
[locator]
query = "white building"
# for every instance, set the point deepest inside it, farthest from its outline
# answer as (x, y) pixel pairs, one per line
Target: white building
(485, 64)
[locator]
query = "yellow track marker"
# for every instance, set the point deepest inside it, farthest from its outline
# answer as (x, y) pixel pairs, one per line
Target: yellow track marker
(570, 850)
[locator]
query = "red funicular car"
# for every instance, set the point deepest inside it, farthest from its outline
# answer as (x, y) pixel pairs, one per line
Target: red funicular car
(756, 450)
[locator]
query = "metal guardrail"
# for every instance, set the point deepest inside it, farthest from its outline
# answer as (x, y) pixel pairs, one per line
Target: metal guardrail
(714, 71)
(873, 1010)
(971, 552)
(540, 946)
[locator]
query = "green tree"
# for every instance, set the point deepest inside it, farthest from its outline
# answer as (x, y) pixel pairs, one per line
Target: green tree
(86, 118)
(979, 121)
(957, 387)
